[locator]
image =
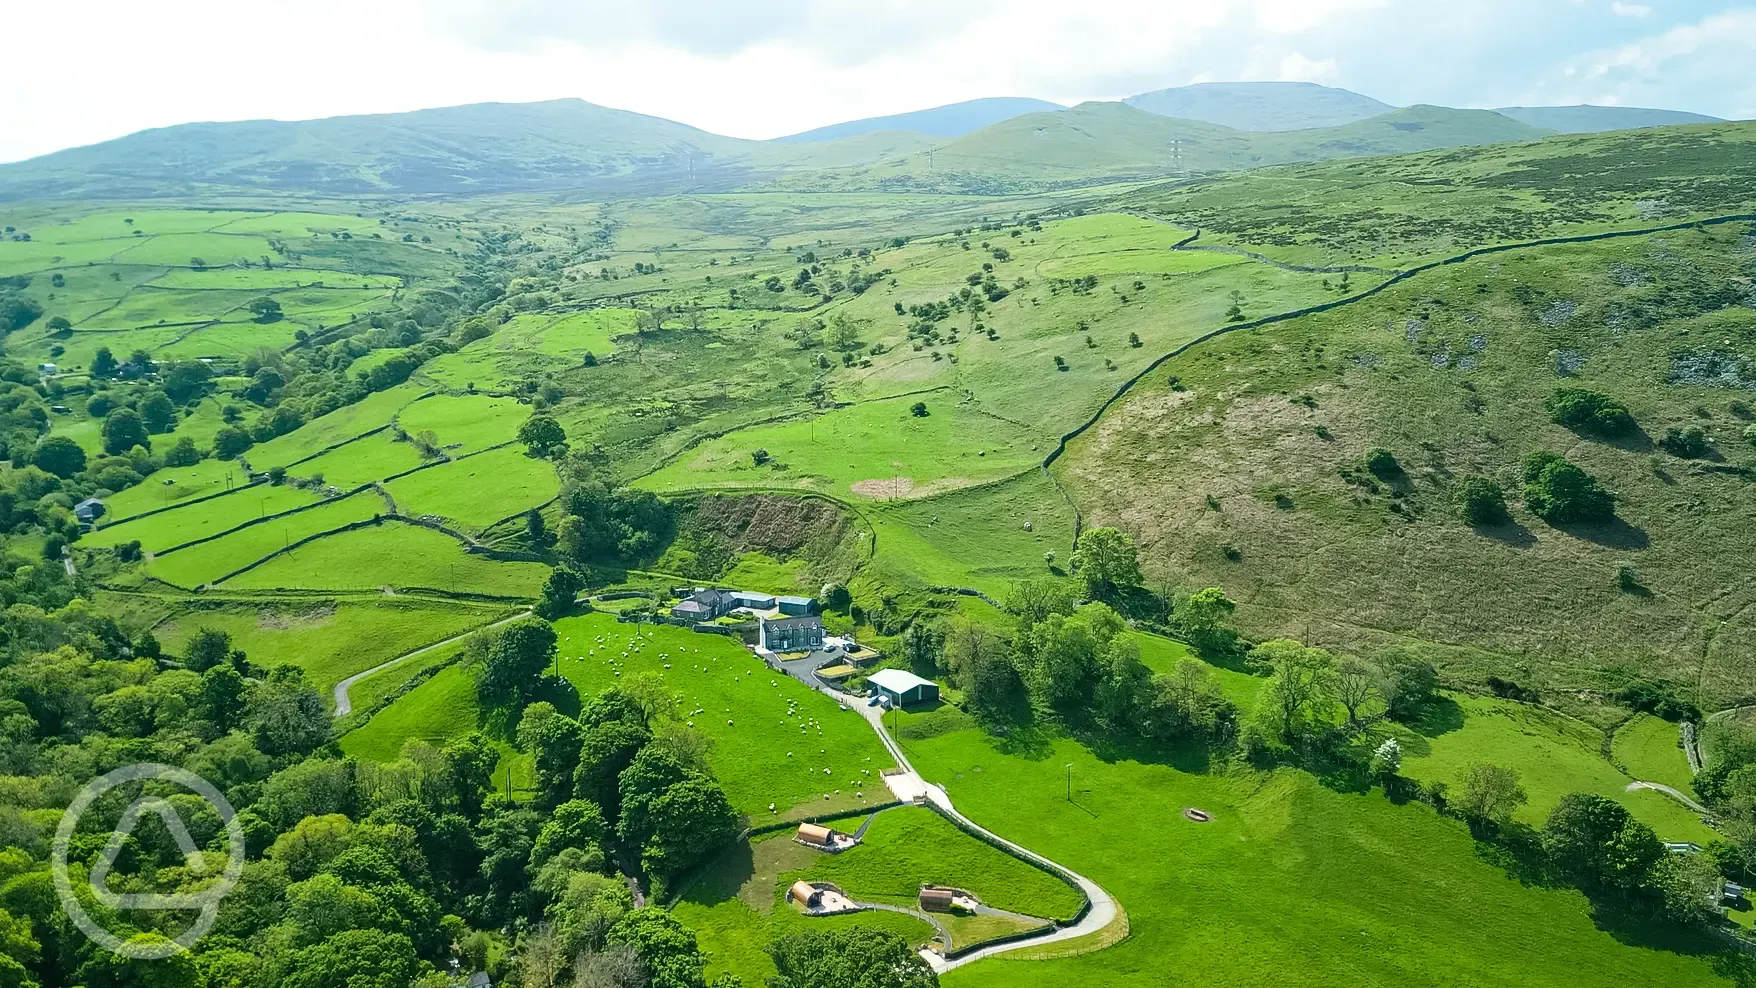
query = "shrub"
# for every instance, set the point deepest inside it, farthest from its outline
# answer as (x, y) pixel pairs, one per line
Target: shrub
(1480, 501)
(1583, 410)
(1750, 435)
(1383, 463)
(1688, 444)
(1560, 492)
(918, 409)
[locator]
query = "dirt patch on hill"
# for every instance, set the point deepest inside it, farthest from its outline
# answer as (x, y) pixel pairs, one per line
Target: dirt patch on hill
(905, 489)
(775, 524)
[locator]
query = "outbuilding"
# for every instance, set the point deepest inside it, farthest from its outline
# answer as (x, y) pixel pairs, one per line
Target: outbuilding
(754, 601)
(796, 605)
(805, 895)
(88, 511)
(937, 900)
(903, 688)
(810, 833)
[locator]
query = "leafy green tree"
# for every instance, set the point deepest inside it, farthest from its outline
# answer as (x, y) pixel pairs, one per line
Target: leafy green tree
(1689, 887)
(1489, 796)
(207, 648)
(553, 741)
(921, 646)
(606, 751)
(265, 309)
(1686, 443)
(514, 662)
(103, 363)
(472, 759)
(1106, 559)
(544, 436)
(653, 770)
(852, 957)
(354, 959)
(223, 697)
(157, 413)
(106, 969)
(1304, 685)
(666, 946)
(60, 456)
(1409, 684)
(1382, 463)
(123, 431)
(185, 380)
(1201, 616)
(1594, 841)
(182, 453)
(285, 715)
(1560, 493)
(1035, 600)
(1584, 410)
(689, 823)
(560, 591)
(1480, 501)
(229, 442)
(577, 824)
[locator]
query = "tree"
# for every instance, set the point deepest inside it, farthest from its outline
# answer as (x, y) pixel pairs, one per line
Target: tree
(1689, 887)
(123, 431)
(1200, 618)
(1035, 600)
(1561, 493)
(185, 380)
(852, 957)
(229, 442)
(1489, 795)
(1594, 841)
(605, 752)
(1480, 501)
(265, 309)
(286, 716)
(1409, 684)
(544, 436)
(918, 409)
(646, 778)
(559, 592)
(157, 413)
(577, 824)
(689, 823)
(1583, 410)
(353, 958)
(1304, 681)
(1688, 443)
(207, 648)
(103, 363)
(182, 453)
(222, 697)
(921, 645)
(552, 739)
(1358, 684)
(1387, 759)
(666, 946)
(60, 456)
(514, 661)
(1106, 559)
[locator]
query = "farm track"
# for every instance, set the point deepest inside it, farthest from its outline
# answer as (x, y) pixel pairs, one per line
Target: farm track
(344, 706)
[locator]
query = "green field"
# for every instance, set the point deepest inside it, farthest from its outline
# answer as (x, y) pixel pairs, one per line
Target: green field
(1553, 756)
(475, 492)
(393, 555)
(172, 485)
(209, 561)
(362, 461)
(464, 424)
(333, 429)
(161, 531)
(329, 640)
(1651, 750)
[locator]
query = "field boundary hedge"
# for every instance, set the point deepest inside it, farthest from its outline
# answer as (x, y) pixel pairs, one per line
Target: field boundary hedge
(1469, 255)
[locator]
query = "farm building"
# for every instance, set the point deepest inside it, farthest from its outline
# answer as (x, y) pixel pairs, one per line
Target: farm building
(754, 601)
(795, 634)
(796, 605)
(88, 511)
(903, 688)
(805, 895)
(703, 605)
(823, 838)
(937, 900)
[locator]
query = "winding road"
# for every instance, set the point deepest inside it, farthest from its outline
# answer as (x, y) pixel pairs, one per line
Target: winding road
(909, 786)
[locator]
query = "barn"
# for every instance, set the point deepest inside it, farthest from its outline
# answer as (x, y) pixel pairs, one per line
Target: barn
(903, 688)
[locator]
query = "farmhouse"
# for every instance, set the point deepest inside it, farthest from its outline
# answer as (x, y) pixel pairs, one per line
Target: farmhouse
(796, 605)
(795, 634)
(901, 688)
(703, 605)
(88, 511)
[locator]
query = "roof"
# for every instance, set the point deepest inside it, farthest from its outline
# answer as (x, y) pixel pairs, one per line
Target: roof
(88, 502)
(937, 895)
(794, 622)
(710, 597)
(815, 834)
(898, 680)
(803, 601)
(802, 892)
(692, 605)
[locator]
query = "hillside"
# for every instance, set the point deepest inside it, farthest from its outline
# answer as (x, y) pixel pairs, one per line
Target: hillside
(1596, 119)
(1261, 106)
(951, 120)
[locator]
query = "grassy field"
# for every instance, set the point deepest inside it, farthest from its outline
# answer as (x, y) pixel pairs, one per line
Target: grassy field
(1162, 655)
(199, 564)
(339, 426)
(161, 531)
(531, 343)
(442, 708)
(1651, 750)
(363, 461)
(395, 555)
(971, 538)
(1553, 756)
(332, 639)
(876, 451)
(1394, 894)
(1251, 448)
(464, 424)
(171, 485)
(477, 491)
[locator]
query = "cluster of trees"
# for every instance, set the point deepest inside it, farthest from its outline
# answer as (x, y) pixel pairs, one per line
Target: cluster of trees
(1728, 784)
(1592, 842)
(602, 523)
(1323, 705)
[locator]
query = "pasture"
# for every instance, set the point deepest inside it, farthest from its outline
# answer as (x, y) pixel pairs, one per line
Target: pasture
(362, 461)
(464, 423)
(1651, 750)
(474, 492)
(395, 555)
(156, 533)
(196, 565)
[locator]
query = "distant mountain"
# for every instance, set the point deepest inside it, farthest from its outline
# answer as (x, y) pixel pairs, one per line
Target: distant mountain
(1261, 106)
(1589, 119)
(480, 148)
(951, 120)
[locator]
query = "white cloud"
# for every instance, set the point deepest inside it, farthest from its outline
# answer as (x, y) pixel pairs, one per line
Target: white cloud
(1709, 57)
(1630, 9)
(1297, 68)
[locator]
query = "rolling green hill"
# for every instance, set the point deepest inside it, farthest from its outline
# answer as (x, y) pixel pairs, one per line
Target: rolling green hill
(951, 120)
(1261, 105)
(1589, 119)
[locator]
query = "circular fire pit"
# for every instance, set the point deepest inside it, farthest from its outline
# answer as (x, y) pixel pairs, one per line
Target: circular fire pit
(1197, 816)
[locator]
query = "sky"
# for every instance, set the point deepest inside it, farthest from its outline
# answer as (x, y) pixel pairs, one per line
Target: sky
(84, 71)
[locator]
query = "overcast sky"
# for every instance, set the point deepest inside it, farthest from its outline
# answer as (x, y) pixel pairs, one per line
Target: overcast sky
(83, 71)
